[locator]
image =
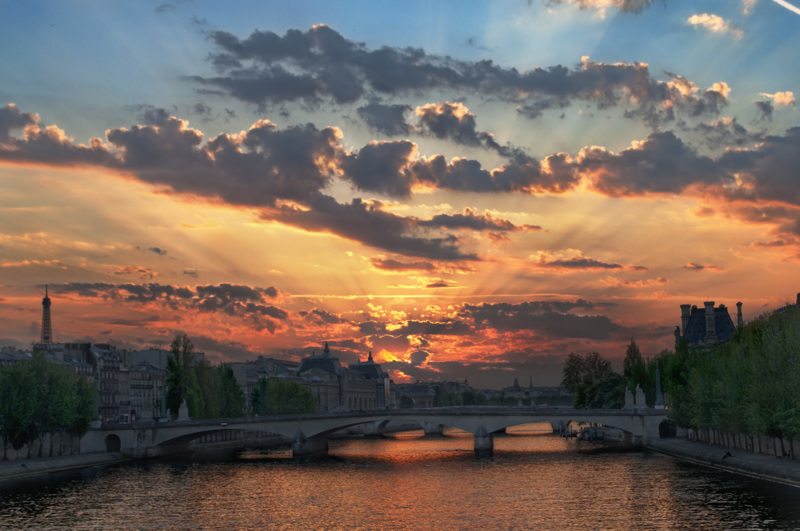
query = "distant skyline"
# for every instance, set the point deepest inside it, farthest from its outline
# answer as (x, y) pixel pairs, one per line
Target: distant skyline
(466, 189)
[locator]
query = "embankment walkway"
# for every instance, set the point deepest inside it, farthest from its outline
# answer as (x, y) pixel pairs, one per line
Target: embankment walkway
(740, 461)
(21, 469)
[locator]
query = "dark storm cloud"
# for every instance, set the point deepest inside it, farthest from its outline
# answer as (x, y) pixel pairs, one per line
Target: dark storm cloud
(367, 223)
(418, 357)
(769, 171)
(765, 109)
(660, 164)
(12, 119)
(452, 121)
(44, 145)
(387, 264)
(386, 119)
(441, 284)
(542, 316)
(725, 134)
(472, 221)
(257, 169)
(230, 299)
(382, 167)
(390, 167)
(322, 315)
(232, 350)
(158, 251)
(578, 263)
(321, 65)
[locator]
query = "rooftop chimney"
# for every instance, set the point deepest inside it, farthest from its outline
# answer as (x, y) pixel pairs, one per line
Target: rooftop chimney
(711, 332)
(685, 312)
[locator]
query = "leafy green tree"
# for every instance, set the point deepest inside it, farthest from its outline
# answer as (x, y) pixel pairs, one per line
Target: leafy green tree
(38, 397)
(406, 402)
(592, 381)
(181, 381)
(278, 397)
(473, 398)
(231, 395)
(751, 384)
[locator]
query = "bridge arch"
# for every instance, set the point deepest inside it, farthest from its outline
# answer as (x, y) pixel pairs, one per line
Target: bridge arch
(113, 443)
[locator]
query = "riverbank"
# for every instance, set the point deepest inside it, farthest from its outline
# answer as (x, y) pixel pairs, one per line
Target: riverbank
(22, 469)
(737, 461)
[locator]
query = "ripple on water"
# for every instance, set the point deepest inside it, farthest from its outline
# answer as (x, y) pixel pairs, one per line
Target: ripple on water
(421, 483)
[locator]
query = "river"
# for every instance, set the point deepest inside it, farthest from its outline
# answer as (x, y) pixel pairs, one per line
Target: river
(531, 482)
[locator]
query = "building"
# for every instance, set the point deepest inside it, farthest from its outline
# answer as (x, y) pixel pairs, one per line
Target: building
(418, 394)
(362, 386)
(707, 326)
(386, 396)
(248, 374)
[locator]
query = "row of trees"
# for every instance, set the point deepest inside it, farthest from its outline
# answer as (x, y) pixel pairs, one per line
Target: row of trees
(751, 384)
(210, 392)
(595, 384)
(38, 397)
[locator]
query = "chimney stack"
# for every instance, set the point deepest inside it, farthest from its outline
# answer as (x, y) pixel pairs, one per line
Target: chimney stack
(711, 332)
(685, 312)
(739, 318)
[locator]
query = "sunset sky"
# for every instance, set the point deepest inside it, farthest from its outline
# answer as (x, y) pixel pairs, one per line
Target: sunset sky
(467, 189)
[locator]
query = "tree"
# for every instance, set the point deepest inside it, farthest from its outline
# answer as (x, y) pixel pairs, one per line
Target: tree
(231, 395)
(592, 381)
(278, 397)
(633, 360)
(181, 381)
(38, 396)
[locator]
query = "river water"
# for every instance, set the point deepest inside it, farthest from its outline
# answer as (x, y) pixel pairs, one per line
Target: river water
(531, 482)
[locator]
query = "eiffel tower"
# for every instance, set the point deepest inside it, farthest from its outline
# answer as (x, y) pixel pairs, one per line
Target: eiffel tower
(47, 326)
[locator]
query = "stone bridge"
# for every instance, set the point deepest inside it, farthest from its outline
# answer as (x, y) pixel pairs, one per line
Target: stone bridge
(310, 433)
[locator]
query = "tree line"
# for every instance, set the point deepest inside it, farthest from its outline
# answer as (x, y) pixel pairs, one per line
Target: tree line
(38, 396)
(213, 392)
(750, 384)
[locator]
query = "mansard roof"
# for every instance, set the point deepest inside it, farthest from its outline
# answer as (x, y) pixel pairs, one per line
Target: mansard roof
(695, 331)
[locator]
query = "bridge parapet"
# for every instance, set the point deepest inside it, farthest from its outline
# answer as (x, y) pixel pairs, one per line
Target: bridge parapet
(145, 439)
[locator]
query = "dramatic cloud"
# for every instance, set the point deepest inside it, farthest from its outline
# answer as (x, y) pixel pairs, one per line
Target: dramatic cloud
(544, 317)
(229, 299)
(660, 164)
(387, 264)
(575, 263)
(386, 119)
(320, 65)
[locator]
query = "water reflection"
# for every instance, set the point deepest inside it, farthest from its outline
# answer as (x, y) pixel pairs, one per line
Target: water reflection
(540, 482)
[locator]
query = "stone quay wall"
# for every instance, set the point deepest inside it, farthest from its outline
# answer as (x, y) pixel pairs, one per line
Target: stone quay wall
(758, 444)
(54, 444)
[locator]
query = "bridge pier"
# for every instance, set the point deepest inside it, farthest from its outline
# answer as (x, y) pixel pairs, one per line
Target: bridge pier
(432, 428)
(484, 443)
(309, 448)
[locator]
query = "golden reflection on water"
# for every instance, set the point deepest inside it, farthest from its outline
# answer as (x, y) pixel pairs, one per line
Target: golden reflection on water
(413, 482)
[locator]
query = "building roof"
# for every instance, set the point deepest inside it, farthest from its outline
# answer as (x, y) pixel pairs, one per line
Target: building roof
(325, 362)
(695, 331)
(369, 369)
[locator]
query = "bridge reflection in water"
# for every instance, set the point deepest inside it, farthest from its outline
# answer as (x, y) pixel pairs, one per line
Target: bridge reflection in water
(310, 433)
